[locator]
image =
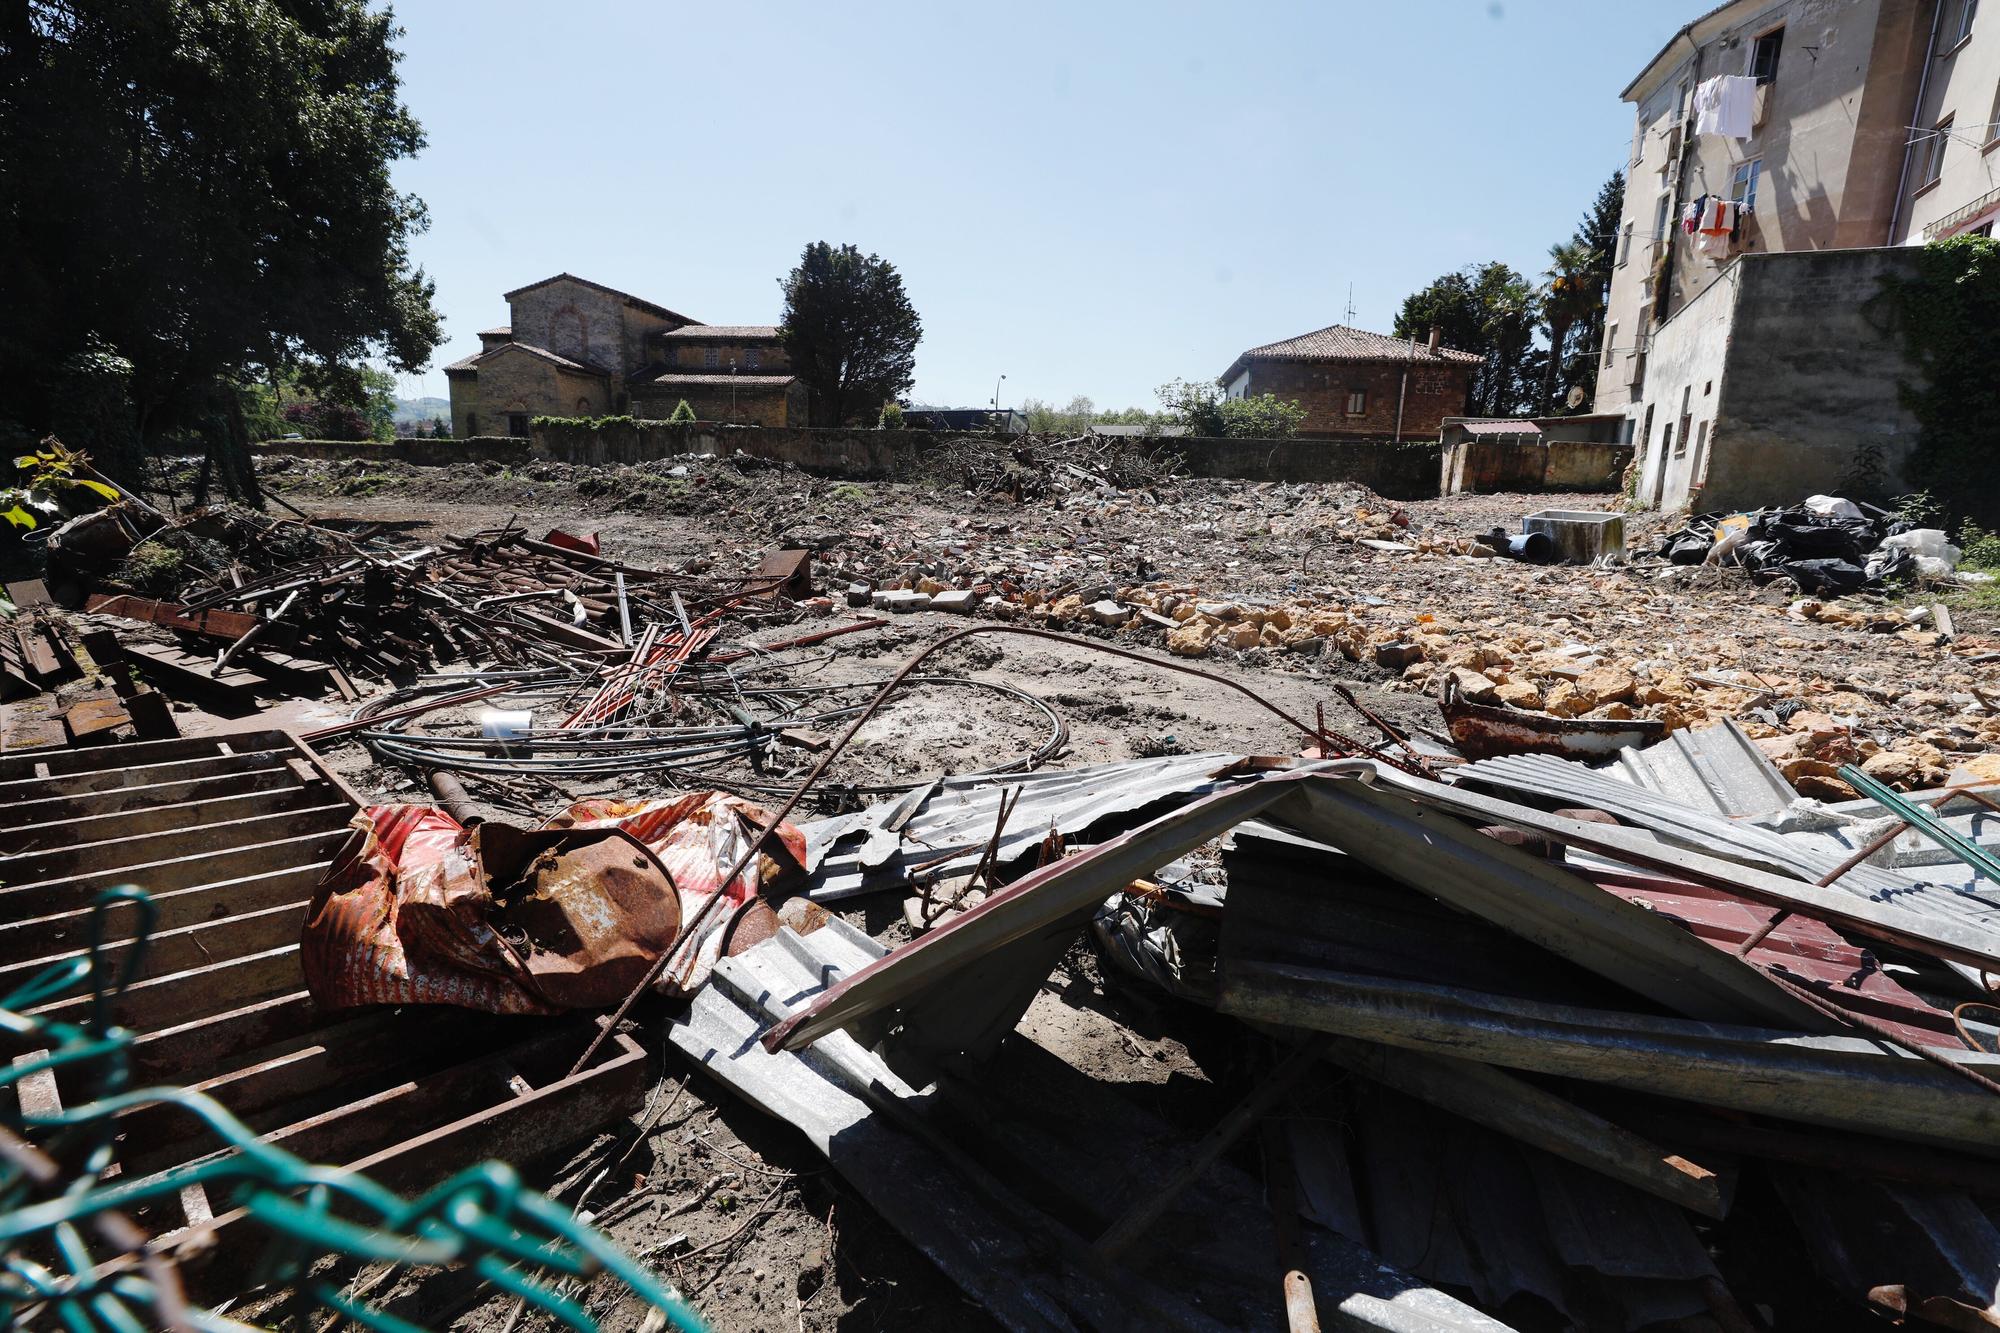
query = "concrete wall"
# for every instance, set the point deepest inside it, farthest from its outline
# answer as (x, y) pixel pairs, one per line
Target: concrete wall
(1487, 465)
(1683, 372)
(1813, 378)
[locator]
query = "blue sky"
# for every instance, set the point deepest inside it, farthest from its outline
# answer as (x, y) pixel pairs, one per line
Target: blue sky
(1091, 198)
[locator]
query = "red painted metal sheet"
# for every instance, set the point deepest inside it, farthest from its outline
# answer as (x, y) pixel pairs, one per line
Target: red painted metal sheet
(1808, 951)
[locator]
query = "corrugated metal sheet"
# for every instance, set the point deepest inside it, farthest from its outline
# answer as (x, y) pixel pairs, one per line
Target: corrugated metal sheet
(1676, 822)
(952, 826)
(921, 1157)
(1718, 767)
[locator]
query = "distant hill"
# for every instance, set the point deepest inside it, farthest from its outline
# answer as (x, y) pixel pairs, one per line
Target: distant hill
(421, 411)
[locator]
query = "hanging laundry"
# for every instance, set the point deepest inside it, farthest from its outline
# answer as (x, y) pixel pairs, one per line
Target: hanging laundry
(1718, 223)
(1724, 105)
(1691, 217)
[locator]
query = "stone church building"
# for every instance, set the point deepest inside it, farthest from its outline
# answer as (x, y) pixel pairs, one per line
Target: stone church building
(576, 348)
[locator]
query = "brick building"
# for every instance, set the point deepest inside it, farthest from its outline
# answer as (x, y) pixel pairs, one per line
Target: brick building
(1360, 385)
(576, 348)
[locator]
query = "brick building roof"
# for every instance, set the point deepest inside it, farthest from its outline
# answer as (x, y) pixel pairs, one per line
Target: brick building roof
(627, 297)
(741, 381)
(696, 332)
(1337, 342)
(473, 362)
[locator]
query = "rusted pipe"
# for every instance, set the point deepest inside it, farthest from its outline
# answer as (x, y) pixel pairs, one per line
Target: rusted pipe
(452, 795)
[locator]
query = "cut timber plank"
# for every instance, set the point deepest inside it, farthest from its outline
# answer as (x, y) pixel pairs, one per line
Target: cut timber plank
(188, 947)
(194, 993)
(81, 845)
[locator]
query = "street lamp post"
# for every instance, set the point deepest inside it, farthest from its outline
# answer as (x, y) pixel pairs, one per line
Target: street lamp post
(996, 396)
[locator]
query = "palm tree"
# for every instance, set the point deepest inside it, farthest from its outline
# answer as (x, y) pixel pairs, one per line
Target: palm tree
(1568, 296)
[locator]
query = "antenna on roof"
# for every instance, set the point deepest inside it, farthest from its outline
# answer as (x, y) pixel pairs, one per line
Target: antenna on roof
(1347, 317)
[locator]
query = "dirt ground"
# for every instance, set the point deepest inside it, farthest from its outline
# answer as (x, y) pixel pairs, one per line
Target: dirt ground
(735, 1207)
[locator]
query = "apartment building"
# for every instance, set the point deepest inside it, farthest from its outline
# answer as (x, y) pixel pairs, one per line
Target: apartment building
(1836, 82)
(1954, 171)
(1740, 344)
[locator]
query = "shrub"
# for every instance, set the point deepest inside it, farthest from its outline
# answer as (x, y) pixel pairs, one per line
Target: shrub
(1981, 548)
(892, 417)
(154, 569)
(683, 415)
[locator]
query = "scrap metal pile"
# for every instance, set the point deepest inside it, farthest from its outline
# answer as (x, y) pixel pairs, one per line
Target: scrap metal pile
(1650, 1044)
(372, 606)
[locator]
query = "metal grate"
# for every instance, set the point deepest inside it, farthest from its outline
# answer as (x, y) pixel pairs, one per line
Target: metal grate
(230, 835)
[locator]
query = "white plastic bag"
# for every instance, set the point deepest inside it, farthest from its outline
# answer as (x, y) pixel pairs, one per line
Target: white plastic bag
(1926, 543)
(1832, 506)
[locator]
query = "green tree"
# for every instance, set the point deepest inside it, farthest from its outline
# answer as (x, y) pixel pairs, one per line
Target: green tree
(891, 418)
(1568, 298)
(378, 403)
(1202, 407)
(682, 415)
(203, 186)
(850, 331)
(1491, 310)
(1195, 404)
(1262, 416)
(1599, 231)
(1080, 414)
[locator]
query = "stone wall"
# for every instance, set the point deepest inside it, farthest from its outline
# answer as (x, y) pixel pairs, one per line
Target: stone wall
(759, 405)
(571, 320)
(416, 451)
(690, 354)
(1436, 390)
(517, 381)
(1406, 471)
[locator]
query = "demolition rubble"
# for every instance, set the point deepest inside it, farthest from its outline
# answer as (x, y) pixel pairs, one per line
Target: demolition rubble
(1056, 895)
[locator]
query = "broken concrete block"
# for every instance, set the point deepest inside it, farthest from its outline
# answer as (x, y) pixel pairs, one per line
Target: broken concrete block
(1396, 656)
(1109, 612)
(858, 594)
(954, 600)
(900, 600)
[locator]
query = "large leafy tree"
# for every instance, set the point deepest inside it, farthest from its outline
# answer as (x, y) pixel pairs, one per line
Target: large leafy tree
(202, 188)
(1489, 309)
(850, 331)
